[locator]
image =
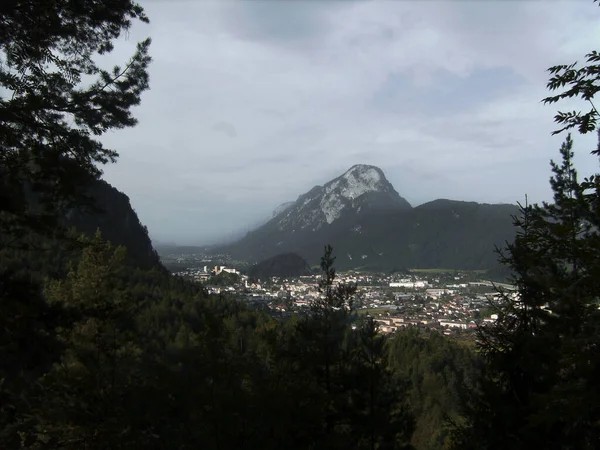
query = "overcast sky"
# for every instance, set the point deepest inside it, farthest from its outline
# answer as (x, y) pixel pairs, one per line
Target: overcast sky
(253, 103)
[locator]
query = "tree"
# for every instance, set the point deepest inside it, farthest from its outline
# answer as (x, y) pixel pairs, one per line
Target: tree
(334, 297)
(577, 82)
(56, 101)
(356, 402)
(83, 398)
(382, 419)
(541, 383)
(324, 334)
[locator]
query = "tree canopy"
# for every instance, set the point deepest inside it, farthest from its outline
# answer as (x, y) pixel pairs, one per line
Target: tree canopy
(574, 81)
(55, 101)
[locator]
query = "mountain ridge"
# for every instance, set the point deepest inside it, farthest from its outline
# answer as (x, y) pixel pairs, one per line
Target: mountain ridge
(370, 225)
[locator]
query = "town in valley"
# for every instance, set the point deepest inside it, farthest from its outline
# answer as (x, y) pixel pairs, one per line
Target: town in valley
(452, 302)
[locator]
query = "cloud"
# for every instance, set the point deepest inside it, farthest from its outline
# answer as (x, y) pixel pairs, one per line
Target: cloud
(225, 128)
(276, 21)
(253, 103)
(446, 92)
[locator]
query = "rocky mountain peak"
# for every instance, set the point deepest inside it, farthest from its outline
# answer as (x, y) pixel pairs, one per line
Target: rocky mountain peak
(365, 171)
(349, 192)
(342, 191)
(358, 180)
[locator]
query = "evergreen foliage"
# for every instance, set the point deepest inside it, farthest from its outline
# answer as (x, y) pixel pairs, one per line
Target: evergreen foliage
(437, 370)
(541, 377)
(540, 383)
(576, 82)
(282, 266)
(56, 101)
(142, 359)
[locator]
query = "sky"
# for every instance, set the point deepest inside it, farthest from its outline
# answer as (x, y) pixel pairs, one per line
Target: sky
(252, 103)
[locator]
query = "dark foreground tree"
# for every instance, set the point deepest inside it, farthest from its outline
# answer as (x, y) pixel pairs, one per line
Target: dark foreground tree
(379, 407)
(574, 81)
(55, 101)
(360, 403)
(541, 385)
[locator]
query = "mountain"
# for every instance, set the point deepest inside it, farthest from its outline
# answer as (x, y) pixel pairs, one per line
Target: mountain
(361, 189)
(283, 207)
(284, 265)
(118, 223)
(372, 227)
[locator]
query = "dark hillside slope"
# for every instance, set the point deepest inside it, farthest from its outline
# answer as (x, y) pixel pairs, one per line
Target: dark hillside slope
(440, 234)
(284, 265)
(118, 223)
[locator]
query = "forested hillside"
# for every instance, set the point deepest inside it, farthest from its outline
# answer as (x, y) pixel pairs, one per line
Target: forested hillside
(127, 357)
(284, 265)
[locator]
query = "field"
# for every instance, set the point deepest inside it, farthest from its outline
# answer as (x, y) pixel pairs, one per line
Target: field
(376, 311)
(479, 271)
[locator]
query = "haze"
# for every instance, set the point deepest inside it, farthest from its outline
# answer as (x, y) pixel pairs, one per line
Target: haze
(253, 103)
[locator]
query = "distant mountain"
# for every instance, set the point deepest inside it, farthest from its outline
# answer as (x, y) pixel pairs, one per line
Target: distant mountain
(284, 265)
(162, 244)
(372, 227)
(362, 189)
(118, 223)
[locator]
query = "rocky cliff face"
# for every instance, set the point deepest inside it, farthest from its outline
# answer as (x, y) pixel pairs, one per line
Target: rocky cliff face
(361, 188)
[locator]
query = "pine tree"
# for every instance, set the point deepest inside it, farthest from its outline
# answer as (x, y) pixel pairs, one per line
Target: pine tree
(359, 403)
(83, 399)
(576, 82)
(56, 101)
(541, 384)
(323, 334)
(378, 408)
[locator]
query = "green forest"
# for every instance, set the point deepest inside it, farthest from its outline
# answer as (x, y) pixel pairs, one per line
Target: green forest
(102, 348)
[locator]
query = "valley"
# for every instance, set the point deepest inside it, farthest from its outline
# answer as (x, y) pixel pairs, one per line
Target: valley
(449, 302)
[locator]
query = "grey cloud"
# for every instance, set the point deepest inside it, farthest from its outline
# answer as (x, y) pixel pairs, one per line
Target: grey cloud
(225, 128)
(276, 20)
(274, 159)
(281, 22)
(447, 92)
